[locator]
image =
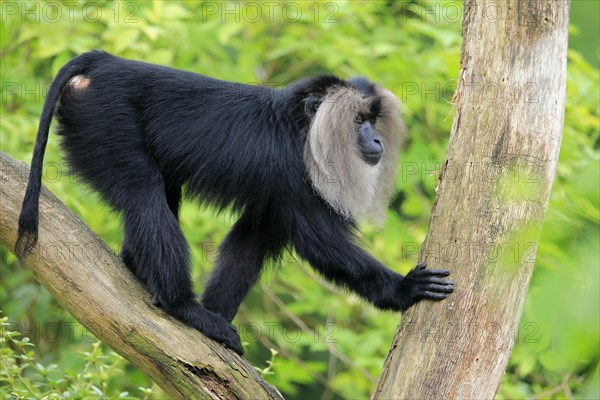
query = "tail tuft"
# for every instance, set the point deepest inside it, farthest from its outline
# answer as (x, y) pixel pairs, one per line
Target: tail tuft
(25, 243)
(27, 235)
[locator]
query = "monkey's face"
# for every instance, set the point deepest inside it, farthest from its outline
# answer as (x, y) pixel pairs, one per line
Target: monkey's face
(352, 147)
(369, 143)
(352, 115)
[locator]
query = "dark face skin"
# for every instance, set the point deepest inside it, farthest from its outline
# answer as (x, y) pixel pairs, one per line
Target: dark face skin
(371, 147)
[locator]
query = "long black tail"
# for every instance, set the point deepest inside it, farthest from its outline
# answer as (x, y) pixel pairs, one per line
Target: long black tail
(27, 235)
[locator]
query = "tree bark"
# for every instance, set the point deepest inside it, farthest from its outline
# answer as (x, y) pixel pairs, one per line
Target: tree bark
(490, 204)
(92, 283)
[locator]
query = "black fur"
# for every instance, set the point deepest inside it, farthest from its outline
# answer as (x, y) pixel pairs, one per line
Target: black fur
(139, 132)
(363, 85)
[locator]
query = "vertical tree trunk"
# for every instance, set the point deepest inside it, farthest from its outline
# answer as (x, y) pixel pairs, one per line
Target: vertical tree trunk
(491, 200)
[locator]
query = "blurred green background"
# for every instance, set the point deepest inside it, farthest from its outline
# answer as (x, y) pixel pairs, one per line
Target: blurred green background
(329, 345)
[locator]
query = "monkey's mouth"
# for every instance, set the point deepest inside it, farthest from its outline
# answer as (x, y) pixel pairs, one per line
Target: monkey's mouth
(372, 157)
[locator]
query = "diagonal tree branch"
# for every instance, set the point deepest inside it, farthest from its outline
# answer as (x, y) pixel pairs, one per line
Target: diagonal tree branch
(92, 283)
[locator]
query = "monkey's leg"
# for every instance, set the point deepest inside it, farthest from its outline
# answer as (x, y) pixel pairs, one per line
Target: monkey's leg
(157, 248)
(173, 192)
(240, 260)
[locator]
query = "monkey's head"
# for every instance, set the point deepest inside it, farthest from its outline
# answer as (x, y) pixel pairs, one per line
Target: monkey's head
(351, 151)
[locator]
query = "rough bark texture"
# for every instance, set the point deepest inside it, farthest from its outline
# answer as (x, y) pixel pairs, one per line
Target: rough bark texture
(91, 282)
(491, 201)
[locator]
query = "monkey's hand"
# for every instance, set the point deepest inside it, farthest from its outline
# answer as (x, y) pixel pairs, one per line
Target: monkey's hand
(423, 284)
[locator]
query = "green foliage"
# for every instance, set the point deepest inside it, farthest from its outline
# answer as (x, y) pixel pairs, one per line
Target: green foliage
(329, 344)
(22, 377)
(268, 370)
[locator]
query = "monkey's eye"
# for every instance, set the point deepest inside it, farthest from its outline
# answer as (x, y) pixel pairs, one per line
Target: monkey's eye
(359, 119)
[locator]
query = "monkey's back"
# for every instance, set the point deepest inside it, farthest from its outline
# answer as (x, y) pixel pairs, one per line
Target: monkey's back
(133, 123)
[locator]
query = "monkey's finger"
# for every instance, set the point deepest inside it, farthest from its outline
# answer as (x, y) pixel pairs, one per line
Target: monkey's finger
(440, 288)
(237, 343)
(237, 348)
(433, 295)
(430, 279)
(421, 265)
(433, 272)
(233, 344)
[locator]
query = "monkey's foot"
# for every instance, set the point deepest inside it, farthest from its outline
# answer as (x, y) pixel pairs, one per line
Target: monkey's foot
(210, 324)
(424, 284)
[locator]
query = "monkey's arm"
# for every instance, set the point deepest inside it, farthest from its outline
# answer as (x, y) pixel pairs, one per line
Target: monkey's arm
(330, 251)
